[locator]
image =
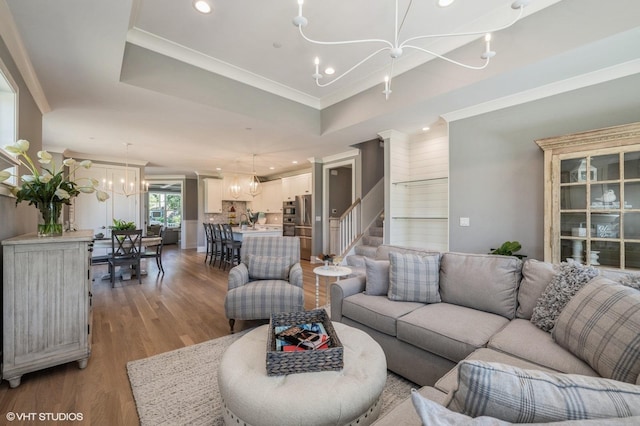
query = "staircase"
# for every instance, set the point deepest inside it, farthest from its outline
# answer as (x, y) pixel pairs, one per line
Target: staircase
(370, 242)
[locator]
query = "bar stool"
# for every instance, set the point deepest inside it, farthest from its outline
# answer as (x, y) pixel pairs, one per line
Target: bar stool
(231, 247)
(218, 245)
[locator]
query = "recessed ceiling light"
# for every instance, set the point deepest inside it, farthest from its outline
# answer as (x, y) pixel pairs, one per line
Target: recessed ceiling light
(272, 168)
(425, 129)
(294, 162)
(445, 3)
(202, 6)
(329, 71)
(218, 168)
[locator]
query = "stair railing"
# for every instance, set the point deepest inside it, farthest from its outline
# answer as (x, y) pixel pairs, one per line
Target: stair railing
(350, 227)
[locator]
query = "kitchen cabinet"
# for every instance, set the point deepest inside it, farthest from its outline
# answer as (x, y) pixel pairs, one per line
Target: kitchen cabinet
(296, 185)
(46, 302)
(213, 195)
(592, 197)
(270, 199)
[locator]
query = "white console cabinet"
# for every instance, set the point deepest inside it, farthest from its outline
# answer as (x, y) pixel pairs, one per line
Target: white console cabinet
(46, 302)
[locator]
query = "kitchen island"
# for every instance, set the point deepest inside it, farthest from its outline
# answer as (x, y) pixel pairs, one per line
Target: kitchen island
(259, 231)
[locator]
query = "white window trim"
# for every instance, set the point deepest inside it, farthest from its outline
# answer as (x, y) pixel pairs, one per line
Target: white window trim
(7, 160)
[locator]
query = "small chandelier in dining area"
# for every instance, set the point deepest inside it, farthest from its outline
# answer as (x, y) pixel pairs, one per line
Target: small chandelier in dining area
(396, 46)
(128, 186)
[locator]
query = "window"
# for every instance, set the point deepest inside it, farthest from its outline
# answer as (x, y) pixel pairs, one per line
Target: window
(8, 125)
(165, 208)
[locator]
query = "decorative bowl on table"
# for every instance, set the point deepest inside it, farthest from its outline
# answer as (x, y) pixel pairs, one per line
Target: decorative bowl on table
(99, 236)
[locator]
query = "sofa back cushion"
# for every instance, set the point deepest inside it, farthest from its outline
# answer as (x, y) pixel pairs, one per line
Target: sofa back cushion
(536, 276)
(268, 267)
(382, 252)
(481, 281)
(377, 272)
(601, 325)
(414, 277)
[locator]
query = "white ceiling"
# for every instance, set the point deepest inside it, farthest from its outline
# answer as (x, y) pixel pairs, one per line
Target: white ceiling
(193, 92)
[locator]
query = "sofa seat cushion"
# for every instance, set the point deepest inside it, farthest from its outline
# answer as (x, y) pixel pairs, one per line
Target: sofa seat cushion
(524, 340)
(449, 381)
(377, 312)
(481, 281)
(450, 331)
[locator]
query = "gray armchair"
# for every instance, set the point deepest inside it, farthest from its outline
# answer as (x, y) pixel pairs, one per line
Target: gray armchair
(268, 280)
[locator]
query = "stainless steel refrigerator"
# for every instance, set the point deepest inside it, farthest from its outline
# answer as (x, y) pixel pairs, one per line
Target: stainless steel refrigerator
(304, 215)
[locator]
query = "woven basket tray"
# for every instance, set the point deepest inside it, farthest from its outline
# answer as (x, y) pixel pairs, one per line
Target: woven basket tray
(280, 363)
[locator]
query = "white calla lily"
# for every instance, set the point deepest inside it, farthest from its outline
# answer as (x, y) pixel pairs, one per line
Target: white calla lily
(22, 145)
(45, 178)
(86, 189)
(101, 195)
(69, 162)
(86, 164)
(4, 175)
(62, 194)
(44, 157)
(28, 178)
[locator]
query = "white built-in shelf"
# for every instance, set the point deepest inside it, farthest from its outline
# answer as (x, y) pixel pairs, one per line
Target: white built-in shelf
(418, 182)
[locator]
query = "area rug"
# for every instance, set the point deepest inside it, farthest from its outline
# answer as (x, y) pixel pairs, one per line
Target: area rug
(181, 387)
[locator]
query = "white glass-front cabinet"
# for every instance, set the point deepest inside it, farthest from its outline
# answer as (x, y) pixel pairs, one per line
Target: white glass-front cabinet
(592, 197)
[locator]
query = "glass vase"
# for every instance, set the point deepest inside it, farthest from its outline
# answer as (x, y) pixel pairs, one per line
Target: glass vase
(49, 224)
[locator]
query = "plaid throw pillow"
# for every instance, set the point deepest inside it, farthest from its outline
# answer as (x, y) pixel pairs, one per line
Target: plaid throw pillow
(530, 396)
(268, 267)
(601, 326)
(414, 278)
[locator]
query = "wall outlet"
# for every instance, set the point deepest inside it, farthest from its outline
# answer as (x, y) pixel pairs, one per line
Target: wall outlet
(318, 218)
(464, 221)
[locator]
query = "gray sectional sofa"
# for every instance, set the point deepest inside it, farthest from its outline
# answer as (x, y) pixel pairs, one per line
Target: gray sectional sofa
(481, 312)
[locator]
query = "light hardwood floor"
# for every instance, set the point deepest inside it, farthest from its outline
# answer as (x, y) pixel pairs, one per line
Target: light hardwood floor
(130, 322)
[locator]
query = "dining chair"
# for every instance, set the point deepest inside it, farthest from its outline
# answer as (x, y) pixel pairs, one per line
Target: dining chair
(208, 233)
(155, 252)
(126, 247)
(218, 245)
(231, 247)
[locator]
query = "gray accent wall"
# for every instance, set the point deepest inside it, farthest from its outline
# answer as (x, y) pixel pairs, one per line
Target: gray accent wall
(20, 219)
(496, 168)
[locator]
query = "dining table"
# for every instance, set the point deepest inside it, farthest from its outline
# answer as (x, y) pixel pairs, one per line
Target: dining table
(147, 241)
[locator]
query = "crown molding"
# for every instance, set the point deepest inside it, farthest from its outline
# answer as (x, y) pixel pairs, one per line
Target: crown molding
(578, 82)
(189, 56)
(103, 159)
(11, 36)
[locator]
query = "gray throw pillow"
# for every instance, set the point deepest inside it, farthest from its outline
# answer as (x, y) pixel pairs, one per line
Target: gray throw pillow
(268, 267)
(414, 278)
(377, 272)
(571, 277)
(531, 396)
(601, 326)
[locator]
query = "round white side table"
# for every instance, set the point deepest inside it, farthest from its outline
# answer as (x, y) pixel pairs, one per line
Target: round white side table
(328, 272)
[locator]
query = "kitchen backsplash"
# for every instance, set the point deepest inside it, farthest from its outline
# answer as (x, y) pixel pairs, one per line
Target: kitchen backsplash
(236, 216)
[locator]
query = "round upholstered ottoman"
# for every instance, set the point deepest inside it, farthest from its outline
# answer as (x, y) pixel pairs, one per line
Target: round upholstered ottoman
(347, 397)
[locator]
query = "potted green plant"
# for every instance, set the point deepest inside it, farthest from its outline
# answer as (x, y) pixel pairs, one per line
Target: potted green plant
(122, 225)
(508, 248)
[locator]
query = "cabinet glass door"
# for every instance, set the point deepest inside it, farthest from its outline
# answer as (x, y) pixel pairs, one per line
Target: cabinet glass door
(600, 209)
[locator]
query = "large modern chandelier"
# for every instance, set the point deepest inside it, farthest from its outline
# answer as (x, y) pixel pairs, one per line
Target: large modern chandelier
(255, 187)
(397, 47)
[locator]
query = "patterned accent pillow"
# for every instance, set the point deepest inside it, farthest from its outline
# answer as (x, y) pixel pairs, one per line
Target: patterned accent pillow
(268, 267)
(529, 396)
(414, 278)
(601, 326)
(377, 272)
(433, 414)
(571, 277)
